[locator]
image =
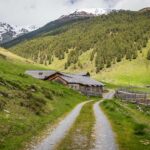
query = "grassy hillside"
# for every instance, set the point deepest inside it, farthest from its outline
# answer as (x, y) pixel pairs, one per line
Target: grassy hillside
(130, 123)
(135, 72)
(7, 55)
(111, 37)
(28, 105)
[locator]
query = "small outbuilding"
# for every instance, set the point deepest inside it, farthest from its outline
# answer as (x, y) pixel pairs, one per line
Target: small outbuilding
(80, 82)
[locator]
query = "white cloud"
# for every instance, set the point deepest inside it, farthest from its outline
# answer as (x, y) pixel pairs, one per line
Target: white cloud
(132, 4)
(39, 12)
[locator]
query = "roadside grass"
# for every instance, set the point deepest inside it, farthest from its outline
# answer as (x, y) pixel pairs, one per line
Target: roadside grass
(27, 105)
(80, 135)
(130, 122)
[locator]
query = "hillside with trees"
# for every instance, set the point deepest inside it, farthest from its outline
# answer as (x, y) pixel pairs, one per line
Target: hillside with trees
(111, 37)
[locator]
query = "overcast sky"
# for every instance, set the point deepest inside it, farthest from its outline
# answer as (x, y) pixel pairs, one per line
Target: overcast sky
(39, 12)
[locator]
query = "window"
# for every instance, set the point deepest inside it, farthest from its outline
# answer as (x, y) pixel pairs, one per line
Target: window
(40, 73)
(88, 88)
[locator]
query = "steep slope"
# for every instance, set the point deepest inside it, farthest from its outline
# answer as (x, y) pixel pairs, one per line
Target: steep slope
(28, 105)
(76, 16)
(60, 22)
(112, 37)
(5, 54)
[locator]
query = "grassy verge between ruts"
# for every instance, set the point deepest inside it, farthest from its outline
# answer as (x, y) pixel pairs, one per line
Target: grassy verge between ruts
(80, 135)
(130, 122)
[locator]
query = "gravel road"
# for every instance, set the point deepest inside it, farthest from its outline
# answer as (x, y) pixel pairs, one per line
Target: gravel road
(60, 131)
(104, 135)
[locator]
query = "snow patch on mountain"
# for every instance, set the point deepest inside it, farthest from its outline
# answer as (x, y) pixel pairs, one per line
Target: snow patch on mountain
(87, 12)
(95, 11)
(9, 32)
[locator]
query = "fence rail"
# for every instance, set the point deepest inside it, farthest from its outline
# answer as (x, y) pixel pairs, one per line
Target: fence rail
(138, 98)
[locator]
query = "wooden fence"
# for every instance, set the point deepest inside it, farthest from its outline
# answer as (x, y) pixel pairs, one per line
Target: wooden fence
(138, 98)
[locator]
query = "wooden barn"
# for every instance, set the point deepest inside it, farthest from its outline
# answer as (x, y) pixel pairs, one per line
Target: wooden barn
(80, 82)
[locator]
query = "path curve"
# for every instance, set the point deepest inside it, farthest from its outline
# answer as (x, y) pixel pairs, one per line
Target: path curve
(60, 131)
(105, 139)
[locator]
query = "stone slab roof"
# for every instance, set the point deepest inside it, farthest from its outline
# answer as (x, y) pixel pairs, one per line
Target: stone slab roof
(70, 78)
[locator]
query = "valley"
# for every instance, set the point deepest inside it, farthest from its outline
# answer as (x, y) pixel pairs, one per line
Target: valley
(95, 45)
(50, 111)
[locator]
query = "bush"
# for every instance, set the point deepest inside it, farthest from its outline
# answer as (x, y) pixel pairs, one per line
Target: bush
(36, 103)
(2, 104)
(33, 88)
(47, 93)
(148, 55)
(7, 94)
(10, 84)
(23, 75)
(139, 129)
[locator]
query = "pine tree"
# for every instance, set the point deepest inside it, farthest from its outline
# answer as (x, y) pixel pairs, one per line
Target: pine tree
(134, 55)
(148, 55)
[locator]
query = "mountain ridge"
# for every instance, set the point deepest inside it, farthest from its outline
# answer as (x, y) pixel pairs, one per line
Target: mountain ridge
(75, 16)
(91, 12)
(9, 32)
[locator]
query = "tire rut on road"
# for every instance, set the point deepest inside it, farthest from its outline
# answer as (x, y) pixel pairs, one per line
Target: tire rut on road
(60, 131)
(104, 136)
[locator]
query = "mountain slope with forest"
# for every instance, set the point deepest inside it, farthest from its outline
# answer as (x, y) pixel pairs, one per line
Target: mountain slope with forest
(129, 73)
(103, 40)
(54, 25)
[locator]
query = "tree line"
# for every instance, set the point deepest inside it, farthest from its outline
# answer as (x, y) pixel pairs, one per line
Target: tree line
(112, 37)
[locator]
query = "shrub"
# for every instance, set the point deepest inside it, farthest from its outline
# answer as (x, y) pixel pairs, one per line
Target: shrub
(7, 94)
(33, 88)
(139, 129)
(23, 75)
(148, 55)
(47, 93)
(35, 103)
(2, 104)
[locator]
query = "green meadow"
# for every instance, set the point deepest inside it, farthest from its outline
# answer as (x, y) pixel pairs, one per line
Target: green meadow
(27, 105)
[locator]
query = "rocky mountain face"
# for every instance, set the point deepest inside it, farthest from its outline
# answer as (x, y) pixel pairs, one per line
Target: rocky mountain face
(146, 9)
(82, 13)
(9, 32)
